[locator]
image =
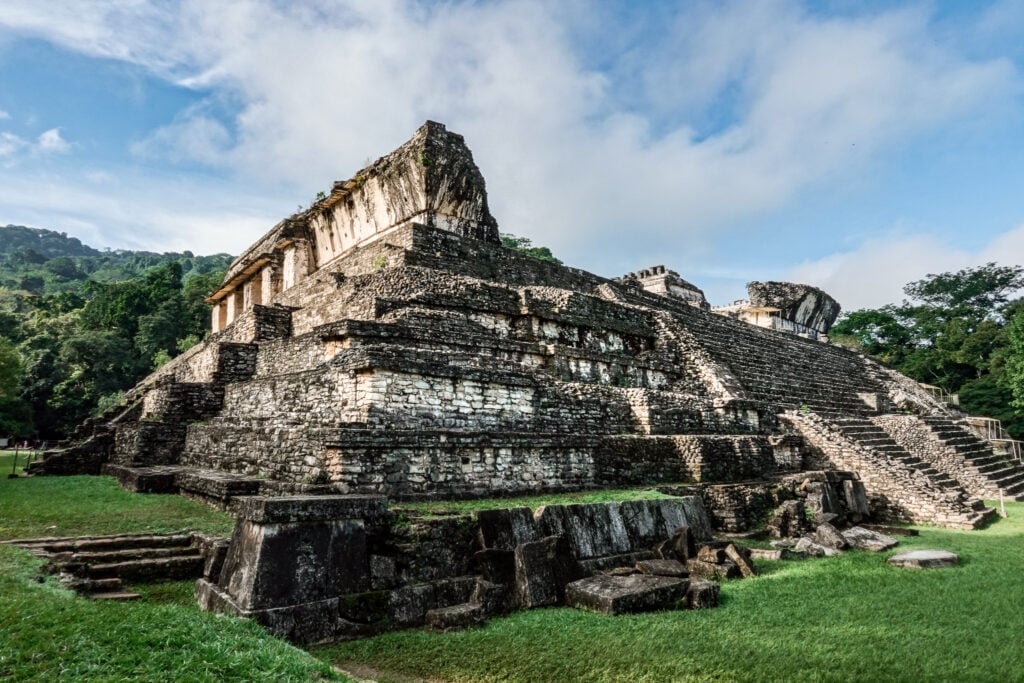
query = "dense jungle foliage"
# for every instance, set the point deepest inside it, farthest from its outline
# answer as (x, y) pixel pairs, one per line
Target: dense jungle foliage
(962, 331)
(78, 326)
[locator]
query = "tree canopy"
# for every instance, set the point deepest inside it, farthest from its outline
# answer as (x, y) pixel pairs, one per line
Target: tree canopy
(955, 331)
(79, 326)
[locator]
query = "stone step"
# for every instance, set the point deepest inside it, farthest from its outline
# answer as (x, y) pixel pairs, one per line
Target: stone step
(186, 567)
(115, 596)
(106, 543)
(109, 556)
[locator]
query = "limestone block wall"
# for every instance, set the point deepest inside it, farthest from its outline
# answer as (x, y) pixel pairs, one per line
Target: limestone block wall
(914, 435)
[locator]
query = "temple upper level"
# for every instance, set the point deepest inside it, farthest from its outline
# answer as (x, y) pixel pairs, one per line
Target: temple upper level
(431, 179)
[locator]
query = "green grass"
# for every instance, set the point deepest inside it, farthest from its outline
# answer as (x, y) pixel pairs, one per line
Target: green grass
(50, 634)
(76, 506)
(846, 618)
(466, 506)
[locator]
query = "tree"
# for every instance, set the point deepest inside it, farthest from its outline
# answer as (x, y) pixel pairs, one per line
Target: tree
(525, 245)
(15, 414)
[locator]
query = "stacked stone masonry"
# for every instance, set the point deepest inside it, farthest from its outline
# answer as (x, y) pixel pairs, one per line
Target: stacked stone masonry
(384, 342)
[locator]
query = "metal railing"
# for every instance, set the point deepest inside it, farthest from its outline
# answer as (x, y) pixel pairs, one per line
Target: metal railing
(991, 429)
(943, 396)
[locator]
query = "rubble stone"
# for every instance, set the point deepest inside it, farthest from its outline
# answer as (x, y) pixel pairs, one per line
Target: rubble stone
(865, 539)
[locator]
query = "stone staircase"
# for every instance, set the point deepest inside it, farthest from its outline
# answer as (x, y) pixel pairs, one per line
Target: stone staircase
(1005, 475)
(912, 488)
(99, 566)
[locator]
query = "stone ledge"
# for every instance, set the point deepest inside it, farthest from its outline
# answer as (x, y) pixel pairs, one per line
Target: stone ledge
(286, 509)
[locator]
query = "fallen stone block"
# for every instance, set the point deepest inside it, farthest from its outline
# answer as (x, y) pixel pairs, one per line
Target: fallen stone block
(627, 594)
(740, 559)
(456, 617)
(891, 530)
(828, 536)
(709, 570)
(925, 559)
(702, 594)
(711, 554)
(543, 568)
(865, 539)
(810, 547)
(662, 568)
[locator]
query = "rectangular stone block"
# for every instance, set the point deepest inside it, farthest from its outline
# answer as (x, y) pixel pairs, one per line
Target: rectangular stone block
(543, 568)
(702, 594)
(505, 529)
(274, 565)
(591, 530)
(627, 594)
(856, 497)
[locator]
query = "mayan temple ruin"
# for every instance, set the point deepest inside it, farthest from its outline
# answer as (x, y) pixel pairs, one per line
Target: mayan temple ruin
(383, 346)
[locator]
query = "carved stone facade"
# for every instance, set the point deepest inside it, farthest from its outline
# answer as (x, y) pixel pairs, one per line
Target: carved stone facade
(384, 342)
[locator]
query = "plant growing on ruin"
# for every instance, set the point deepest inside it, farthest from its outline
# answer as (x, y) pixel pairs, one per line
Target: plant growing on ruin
(425, 161)
(321, 195)
(380, 262)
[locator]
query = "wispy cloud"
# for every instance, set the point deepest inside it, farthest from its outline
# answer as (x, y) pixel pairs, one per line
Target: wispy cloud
(719, 112)
(4, 115)
(51, 142)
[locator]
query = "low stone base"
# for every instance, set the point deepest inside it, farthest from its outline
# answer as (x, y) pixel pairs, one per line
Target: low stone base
(627, 594)
(304, 624)
(216, 489)
(456, 617)
(925, 559)
(156, 479)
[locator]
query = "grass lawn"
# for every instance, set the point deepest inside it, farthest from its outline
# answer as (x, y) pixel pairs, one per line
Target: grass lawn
(50, 634)
(846, 618)
(75, 506)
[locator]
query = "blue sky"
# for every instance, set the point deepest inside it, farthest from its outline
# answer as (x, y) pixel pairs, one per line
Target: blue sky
(851, 145)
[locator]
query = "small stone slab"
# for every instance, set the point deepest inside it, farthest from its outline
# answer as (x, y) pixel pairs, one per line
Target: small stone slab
(663, 568)
(702, 594)
(865, 539)
(828, 536)
(806, 545)
(765, 554)
(925, 559)
(456, 618)
(627, 594)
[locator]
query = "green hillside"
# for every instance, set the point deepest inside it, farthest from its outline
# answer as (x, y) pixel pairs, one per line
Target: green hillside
(78, 325)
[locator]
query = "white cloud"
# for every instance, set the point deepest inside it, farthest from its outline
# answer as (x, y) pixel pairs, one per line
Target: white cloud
(50, 142)
(10, 145)
(4, 115)
(570, 158)
(874, 273)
